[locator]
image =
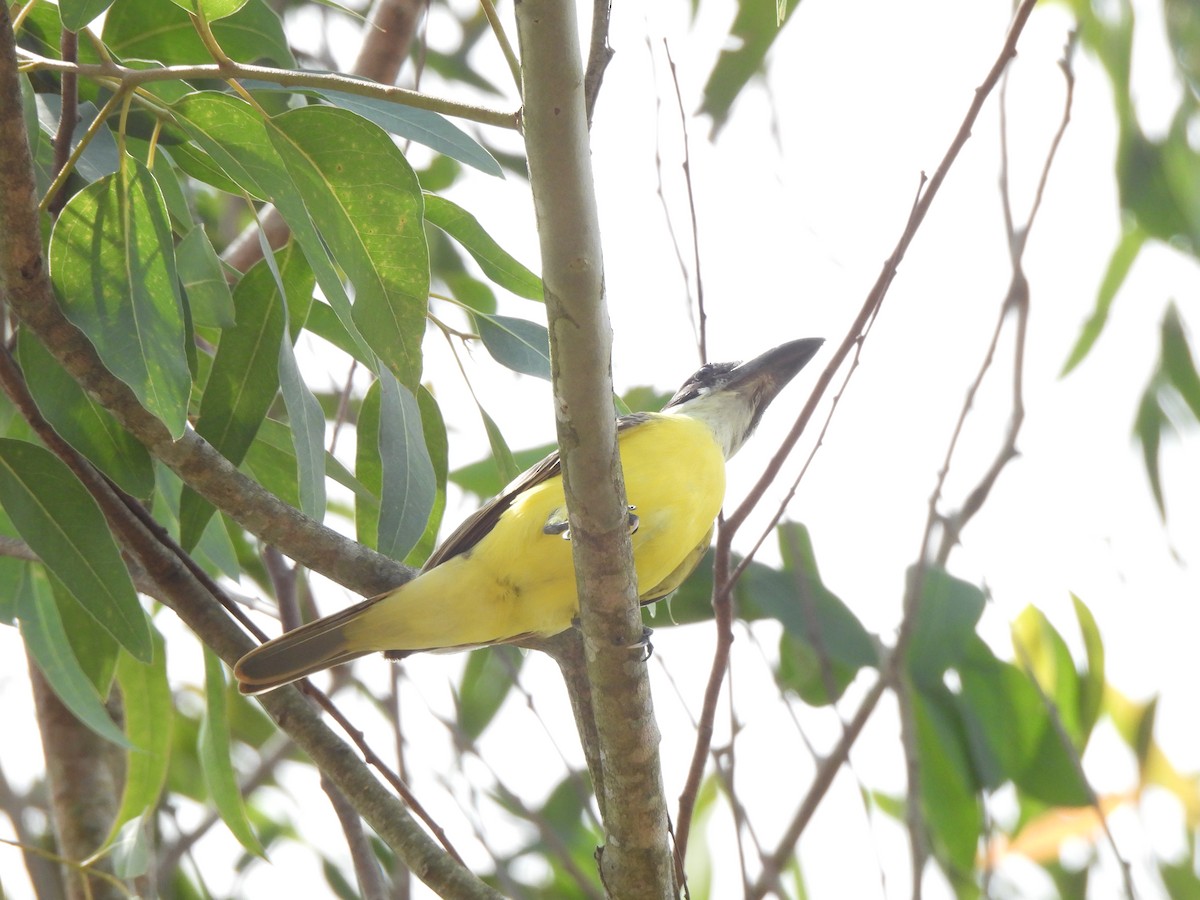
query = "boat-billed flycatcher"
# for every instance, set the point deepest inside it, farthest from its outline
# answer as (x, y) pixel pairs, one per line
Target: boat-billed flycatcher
(506, 573)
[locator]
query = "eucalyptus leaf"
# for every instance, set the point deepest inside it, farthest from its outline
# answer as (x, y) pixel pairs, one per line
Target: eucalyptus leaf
(949, 805)
(149, 722)
(234, 136)
(203, 280)
(241, 385)
(214, 749)
(409, 485)
(486, 681)
(113, 267)
(61, 523)
(518, 344)
(76, 14)
(422, 126)
(46, 643)
(252, 34)
(496, 263)
(949, 609)
(365, 199)
(82, 422)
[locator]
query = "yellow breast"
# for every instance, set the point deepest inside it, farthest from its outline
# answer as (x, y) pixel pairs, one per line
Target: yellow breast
(520, 580)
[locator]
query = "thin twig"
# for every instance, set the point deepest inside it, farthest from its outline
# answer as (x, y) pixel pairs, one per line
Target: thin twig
(371, 883)
(600, 54)
(67, 119)
(701, 315)
(373, 759)
(128, 79)
(827, 770)
(506, 48)
(660, 189)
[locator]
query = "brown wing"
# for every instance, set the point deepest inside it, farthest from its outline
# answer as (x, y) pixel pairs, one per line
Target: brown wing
(483, 520)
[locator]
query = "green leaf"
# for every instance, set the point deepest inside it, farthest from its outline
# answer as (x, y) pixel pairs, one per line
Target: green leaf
(1108, 32)
(212, 10)
(232, 134)
(29, 111)
(483, 479)
(167, 176)
(1183, 31)
(77, 14)
(277, 435)
(46, 643)
(201, 166)
(252, 34)
(824, 644)
(760, 586)
(305, 416)
(1041, 651)
(1052, 775)
(307, 422)
(214, 748)
(245, 374)
(409, 485)
(1002, 713)
(518, 344)
(11, 573)
(131, 851)
(101, 156)
(368, 467)
(214, 551)
(113, 266)
(948, 802)
(92, 647)
(1119, 264)
(274, 467)
(325, 323)
(496, 264)
(502, 457)
(753, 32)
(423, 126)
(241, 385)
(149, 720)
(947, 614)
(433, 432)
(1179, 875)
(1177, 362)
(468, 290)
(368, 206)
(235, 137)
(1092, 684)
(1149, 425)
(62, 524)
(1154, 187)
(203, 280)
(82, 422)
(486, 681)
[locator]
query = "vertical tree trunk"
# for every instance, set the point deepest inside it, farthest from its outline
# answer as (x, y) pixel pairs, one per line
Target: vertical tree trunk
(83, 791)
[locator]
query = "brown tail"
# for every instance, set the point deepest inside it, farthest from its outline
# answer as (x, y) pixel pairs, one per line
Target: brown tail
(310, 648)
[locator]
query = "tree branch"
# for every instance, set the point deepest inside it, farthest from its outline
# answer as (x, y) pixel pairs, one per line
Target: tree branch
(635, 861)
(83, 792)
(126, 78)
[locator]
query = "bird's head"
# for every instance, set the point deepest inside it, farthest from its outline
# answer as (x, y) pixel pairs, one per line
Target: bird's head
(731, 397)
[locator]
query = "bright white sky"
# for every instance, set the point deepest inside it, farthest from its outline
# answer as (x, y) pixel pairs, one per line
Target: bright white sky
(799, 202)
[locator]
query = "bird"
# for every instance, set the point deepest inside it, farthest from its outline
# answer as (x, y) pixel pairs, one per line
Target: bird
(506, 573)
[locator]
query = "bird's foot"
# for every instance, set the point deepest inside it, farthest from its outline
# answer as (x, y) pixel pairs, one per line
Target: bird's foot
(557, 523)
